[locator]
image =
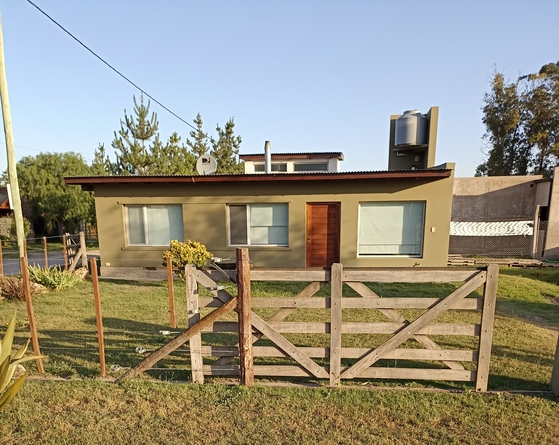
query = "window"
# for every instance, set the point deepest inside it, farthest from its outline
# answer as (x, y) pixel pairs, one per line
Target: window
(391, 228)
(310, 167)
(154, 225)
(275, 167)
(258, 225)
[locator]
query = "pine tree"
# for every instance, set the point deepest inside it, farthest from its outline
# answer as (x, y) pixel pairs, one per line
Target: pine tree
(134, 154)
(198, 144)
(226, 148)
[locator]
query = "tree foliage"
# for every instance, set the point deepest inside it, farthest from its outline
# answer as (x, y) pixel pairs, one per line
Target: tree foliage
(139, 151)
(41, 185)
(522, 124)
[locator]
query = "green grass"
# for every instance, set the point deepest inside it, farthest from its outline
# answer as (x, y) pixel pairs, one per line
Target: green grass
(86, 410)
(141, 412)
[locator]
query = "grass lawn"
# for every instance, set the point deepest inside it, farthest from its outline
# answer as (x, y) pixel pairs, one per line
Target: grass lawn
(153, 409)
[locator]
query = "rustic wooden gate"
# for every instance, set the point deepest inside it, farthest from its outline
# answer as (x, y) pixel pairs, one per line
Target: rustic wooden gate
(277, 352)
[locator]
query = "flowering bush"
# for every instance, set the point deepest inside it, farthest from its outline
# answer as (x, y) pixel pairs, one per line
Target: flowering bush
(189, 252)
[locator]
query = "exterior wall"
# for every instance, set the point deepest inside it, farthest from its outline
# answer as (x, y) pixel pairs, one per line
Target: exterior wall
(495, 198)
(205, 218)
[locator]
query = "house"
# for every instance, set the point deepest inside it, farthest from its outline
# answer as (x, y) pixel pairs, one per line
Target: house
(292, 162)
(300, 211)
(383, 218)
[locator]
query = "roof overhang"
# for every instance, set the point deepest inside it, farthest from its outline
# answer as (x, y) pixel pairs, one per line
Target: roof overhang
(88, 183)
(285, 156)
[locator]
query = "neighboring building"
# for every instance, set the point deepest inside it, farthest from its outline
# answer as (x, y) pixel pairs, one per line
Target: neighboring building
(293, 162)
(381, 219)
(505, 216)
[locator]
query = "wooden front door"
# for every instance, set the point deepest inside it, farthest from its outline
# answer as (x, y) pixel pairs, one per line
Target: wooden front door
(323, 234)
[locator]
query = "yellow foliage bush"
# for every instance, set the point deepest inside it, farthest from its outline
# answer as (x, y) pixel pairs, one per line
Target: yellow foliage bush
(188, 252)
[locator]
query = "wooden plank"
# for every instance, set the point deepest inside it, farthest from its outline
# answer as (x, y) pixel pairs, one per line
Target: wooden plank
(216, 289)
(425, 341)
(555, 372)
(289, 274)
(408, 275)
(336, 324)
(288, 347)
(415, 326)
(222, 326)
(407, 303)
(418, 374)
(283, 371)
(244, 317)
(292, 303)
(178, 341)
(360, 303)
(487, 323)
(195, 343)
(465, 329)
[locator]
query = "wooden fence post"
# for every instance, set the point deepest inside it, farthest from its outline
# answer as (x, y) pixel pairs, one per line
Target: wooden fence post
(171, 291)
(31, 314)
(45, 253)
(487, 323)
(1, 261)
(98, 316)
(195, 342)
(64, 251)
(83, 249)
(243, 309)
(336, 323)
(555, 372)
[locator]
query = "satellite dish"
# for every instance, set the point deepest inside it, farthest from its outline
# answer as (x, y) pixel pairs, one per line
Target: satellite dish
(206, 165)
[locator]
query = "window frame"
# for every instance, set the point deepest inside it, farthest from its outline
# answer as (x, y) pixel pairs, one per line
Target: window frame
(386, 254)
(146, 224)
(248, 209)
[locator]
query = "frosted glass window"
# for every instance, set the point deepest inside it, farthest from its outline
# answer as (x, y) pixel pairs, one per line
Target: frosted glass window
(154, 225)
(391, 228)
(258, 224)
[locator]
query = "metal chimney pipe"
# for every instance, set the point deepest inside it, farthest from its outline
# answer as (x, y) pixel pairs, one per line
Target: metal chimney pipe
(267, 158)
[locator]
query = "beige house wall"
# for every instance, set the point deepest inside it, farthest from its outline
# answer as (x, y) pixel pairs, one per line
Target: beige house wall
(205, 218)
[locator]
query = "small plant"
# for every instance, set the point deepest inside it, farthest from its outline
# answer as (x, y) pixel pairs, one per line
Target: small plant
(189, 252)
(9, 363)
(54, 278)
(12, 288)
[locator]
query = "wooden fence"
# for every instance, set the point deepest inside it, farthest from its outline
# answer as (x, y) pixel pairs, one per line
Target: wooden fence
(267, 340)
(74, 250)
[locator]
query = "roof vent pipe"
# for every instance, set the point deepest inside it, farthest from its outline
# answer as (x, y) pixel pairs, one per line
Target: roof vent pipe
(267, 158)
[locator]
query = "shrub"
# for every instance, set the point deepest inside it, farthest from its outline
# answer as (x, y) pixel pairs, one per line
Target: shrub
(54, 278)
(9, 363)
(12, 288)
(189, 252)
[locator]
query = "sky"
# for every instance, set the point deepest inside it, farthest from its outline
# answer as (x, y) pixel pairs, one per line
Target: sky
(305, 75)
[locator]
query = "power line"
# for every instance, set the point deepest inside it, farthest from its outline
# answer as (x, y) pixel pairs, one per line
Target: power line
(115, 70)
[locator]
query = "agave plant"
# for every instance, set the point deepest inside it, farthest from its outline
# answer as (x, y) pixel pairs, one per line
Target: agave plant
(9, 363)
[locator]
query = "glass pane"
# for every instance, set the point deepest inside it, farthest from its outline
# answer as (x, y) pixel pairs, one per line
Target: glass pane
(175, 223)
(238, 224)
(259, 235)
(277, 235)
(136, 232)
(158, 226)
(391, 228)
(317, 167)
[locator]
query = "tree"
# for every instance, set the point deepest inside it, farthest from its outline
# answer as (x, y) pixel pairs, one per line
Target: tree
(522, 124)
(55, 204)
(226, 148)
(134, 154)
(198, 144)
(139, 150)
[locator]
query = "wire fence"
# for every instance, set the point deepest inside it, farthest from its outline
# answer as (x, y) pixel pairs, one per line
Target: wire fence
(506, 239)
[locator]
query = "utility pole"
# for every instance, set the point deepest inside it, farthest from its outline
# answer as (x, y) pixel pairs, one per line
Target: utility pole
(12, 172)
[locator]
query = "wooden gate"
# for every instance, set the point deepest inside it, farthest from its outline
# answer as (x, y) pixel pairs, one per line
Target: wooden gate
(401, 332)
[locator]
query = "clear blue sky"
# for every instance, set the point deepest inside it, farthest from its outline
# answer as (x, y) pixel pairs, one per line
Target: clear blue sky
(305, 75)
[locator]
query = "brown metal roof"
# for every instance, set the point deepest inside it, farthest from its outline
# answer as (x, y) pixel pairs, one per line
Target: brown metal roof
(88, 182)
(314, 155)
